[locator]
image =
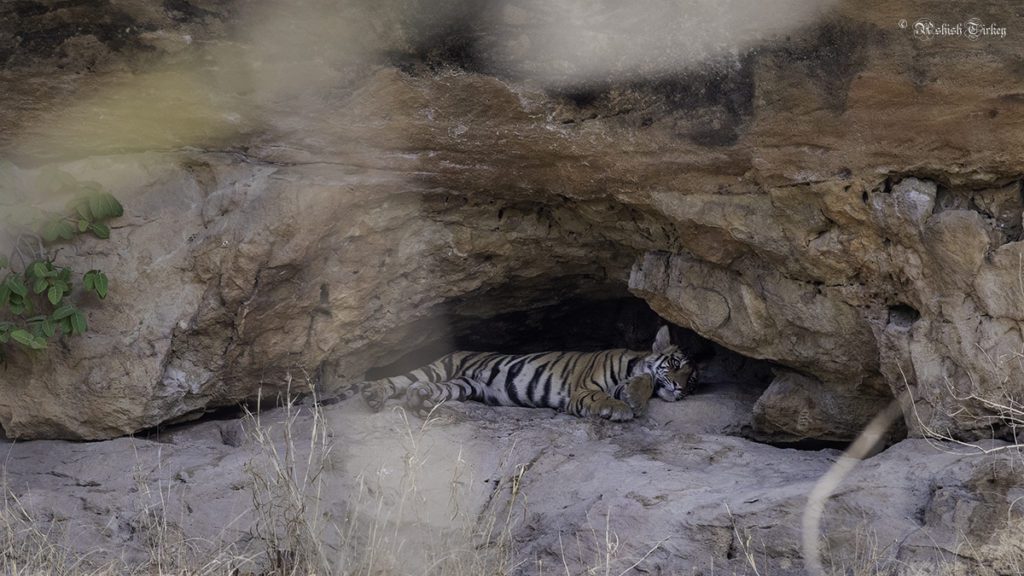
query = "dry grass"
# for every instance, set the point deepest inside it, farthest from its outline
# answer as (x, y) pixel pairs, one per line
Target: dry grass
(298, 530)
(27, 549)
(378, 529)
(287, 484)
(384, 532)
(33, 544)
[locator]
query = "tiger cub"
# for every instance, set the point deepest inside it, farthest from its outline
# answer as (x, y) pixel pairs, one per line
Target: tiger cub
(612, 384)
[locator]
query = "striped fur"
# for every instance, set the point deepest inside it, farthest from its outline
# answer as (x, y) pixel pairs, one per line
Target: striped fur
(612, 384)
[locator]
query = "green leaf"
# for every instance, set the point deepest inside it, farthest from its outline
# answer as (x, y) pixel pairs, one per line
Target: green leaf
(101, 231)
(5, 294)
(48, 328)
(78, 324)
(23, 337)
(65, 326)
(54, 295)
(101, 283)
(38, 269)
(51, 231)
(40, 286)
(83, 225)
(97, 282)
(65, 231)
(104, 206)
(99, 207)
(80, 205)
(117, 210)
(55, 229)
(63, 312)
(17, 286)
(42, 328)
(18, 305)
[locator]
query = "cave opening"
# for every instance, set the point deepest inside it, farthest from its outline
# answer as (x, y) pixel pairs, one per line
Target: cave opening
(590, 314)
(582, 323)
(903, 315)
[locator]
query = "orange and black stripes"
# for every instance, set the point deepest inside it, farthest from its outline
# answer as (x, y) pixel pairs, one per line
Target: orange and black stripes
(614, 384)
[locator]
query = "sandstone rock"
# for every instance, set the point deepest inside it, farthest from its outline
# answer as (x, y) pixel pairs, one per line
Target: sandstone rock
(112, 369)
(797, 407)
(834, 196)
(764, 315)
(797, 322)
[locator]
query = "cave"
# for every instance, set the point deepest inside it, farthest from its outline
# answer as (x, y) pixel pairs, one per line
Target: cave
(578, 323)
(609, 321)
(516, 270)
(585, 325)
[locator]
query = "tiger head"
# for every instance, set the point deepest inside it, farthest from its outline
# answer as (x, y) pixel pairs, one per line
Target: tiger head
(674, 374)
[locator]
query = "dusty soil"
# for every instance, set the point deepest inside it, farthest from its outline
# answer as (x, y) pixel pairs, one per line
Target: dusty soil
(676, 492)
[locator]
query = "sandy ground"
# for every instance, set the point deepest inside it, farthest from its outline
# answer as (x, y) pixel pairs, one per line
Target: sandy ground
(675, 492)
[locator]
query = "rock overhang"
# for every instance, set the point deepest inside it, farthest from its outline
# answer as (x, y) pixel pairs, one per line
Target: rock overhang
(864, 255)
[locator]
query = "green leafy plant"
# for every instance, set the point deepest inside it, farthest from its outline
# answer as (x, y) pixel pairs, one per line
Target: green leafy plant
(36, 294)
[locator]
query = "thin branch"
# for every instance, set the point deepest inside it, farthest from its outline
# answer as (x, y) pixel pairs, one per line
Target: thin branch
(815, 506)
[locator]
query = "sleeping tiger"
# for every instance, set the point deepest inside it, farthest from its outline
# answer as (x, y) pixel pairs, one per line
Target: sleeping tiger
(612, 384)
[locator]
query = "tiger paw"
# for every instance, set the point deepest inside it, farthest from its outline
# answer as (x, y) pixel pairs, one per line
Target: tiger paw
(418, 399)
(637, 393)
(614, 410)
(375, 397)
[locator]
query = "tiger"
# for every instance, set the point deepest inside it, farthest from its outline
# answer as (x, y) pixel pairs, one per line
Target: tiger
(611, 384)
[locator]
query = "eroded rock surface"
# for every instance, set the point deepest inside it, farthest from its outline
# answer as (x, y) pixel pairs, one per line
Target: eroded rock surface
(837, 196)
(671, 492)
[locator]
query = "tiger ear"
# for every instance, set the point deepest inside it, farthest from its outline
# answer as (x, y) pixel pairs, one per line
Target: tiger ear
(661, 341)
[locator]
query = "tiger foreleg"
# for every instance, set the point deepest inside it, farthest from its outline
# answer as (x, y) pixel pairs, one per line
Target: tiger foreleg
(377, 393)
(636, 393)
(422, 397)
(598, 403)
(340, 394)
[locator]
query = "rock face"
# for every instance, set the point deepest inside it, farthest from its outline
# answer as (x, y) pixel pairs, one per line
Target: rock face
(797, 407)
(837, 196)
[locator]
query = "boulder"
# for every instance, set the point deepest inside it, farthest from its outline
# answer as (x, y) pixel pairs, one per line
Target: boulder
(795, 407)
